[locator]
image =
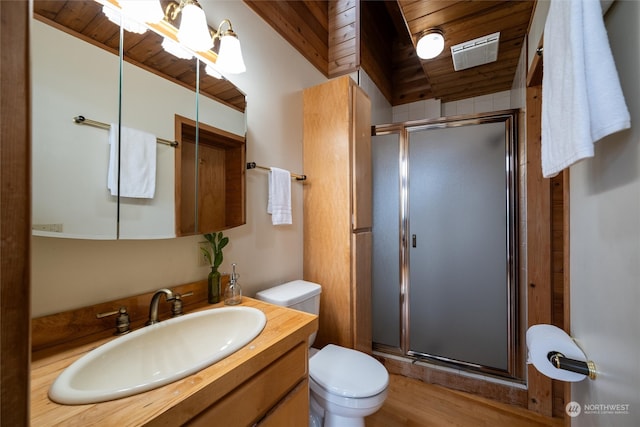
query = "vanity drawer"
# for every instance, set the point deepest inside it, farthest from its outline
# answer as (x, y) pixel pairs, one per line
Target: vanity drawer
(252, 400)
(292, 411)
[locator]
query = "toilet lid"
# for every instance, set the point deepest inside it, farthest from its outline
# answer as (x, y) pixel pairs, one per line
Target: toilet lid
(349, 373)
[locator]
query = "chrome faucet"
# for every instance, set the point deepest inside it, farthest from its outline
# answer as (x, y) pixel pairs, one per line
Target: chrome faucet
(153, 308)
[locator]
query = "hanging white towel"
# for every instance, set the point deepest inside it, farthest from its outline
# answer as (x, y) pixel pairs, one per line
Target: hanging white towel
(582, 101)
(279, 201)
(137, 163)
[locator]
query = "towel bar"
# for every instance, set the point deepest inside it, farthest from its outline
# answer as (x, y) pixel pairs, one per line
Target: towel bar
(81, 120)
(252, 165)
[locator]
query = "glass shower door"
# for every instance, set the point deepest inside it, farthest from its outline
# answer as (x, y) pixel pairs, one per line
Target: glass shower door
(458, 244)
(386, 279)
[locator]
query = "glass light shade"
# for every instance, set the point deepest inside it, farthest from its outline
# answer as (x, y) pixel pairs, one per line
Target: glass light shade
(176, 49)
(194, 31)
(212, 71)
(142, 10)
(115, 16)
(230, 55)
(430, 45)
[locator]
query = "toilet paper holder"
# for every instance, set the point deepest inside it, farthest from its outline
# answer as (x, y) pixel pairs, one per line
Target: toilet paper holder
(581, 367)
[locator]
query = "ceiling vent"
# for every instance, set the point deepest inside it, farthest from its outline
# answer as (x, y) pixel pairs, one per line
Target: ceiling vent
(475, 52)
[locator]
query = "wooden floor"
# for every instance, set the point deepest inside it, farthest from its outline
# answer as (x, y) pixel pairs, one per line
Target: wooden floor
(413, 403)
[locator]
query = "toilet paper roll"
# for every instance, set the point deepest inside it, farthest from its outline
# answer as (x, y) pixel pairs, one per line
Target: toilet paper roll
(542, 339)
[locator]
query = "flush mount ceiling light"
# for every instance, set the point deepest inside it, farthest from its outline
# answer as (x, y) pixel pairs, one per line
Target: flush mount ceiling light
(430, 44)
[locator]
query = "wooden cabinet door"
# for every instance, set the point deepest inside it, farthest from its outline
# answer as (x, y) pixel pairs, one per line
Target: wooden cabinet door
(361, 191)
(361, 289)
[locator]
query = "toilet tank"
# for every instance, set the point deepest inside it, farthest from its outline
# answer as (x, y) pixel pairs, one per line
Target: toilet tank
(298, 294)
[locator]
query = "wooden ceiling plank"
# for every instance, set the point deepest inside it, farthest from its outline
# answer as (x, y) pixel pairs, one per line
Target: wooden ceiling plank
(339, 6)
(320, 11)
(342, 19)
(512, 17)
(47, 8)
(283, 18)
(415, 9)
(342, 50)
(450, 15)
(77, 14)
(301, 10)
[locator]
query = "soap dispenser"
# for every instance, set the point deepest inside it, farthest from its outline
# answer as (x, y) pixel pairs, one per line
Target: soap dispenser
(233, 293)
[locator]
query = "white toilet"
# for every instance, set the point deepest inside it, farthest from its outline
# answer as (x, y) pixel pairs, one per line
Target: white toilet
(345, 385)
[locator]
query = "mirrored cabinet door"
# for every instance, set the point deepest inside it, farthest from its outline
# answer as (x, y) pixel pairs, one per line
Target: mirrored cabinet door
(149, 106)
(70, 78)
(148, 92)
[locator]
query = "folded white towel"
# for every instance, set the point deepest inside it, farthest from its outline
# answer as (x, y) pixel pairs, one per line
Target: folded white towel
(582, 101)
(137, 163)
(279, 202)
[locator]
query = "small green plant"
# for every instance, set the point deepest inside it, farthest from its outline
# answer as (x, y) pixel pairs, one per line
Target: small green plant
(213, 253)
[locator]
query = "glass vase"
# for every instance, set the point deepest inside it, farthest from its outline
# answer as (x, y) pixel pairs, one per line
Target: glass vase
(213, 286)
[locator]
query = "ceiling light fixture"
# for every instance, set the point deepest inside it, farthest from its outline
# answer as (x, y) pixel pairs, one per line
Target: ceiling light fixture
(192, 38)
(430, 44)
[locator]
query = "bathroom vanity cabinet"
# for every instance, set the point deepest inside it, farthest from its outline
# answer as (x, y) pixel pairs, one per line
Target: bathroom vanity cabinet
(265, 383)
(338, 209)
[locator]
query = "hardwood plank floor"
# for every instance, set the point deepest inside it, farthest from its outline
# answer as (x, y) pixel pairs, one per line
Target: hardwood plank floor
(413, 403)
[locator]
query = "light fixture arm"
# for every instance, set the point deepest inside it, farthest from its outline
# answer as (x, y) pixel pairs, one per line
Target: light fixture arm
(218, 34)
(173, 9)
(171, 12)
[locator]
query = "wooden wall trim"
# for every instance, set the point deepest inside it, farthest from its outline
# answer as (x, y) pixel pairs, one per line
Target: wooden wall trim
(15, 216)
(539, 297)
(82, 325)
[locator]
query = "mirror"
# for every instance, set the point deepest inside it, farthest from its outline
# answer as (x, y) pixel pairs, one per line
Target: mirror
(76, 72)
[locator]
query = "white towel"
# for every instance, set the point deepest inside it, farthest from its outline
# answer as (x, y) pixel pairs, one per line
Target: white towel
(582, 101)
(137, 163)
(279, 202)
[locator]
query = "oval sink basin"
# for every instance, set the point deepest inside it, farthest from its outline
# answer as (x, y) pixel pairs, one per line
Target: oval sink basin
(157, 355)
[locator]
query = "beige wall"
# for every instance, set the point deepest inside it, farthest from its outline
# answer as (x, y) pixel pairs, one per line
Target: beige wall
(73, 273)
(605, 247)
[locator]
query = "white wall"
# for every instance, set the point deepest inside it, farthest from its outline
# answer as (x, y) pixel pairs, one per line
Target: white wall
(605, 248)
(73, 273)
(434, 108)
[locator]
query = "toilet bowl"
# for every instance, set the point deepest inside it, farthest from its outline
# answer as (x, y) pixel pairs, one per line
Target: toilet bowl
(349, 385)
(345, 385)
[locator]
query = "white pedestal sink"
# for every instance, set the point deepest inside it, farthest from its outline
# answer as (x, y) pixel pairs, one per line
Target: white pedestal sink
(157, 355)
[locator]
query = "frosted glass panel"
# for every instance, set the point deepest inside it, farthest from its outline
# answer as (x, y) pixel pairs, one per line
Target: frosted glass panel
(458, 288)
(386, 240)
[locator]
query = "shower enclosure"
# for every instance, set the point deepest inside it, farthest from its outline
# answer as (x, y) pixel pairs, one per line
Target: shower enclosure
(444, 241)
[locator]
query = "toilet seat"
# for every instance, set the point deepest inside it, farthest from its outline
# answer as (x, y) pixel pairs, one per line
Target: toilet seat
(346, 403)
(347, 373)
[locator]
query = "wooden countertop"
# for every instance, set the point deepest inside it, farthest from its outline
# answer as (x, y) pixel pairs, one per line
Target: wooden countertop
(175, 403)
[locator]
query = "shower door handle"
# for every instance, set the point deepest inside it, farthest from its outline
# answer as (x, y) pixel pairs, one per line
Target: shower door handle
(414, 240)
